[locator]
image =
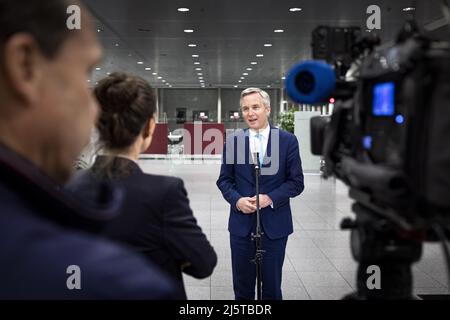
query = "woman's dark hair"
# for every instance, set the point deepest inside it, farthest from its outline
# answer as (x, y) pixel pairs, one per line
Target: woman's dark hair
(126, 103)
(44, 20)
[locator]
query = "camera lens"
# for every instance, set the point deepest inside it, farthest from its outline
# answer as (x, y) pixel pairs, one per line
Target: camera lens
(305, 82)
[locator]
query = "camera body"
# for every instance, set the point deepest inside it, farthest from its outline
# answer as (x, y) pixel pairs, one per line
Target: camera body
(388, 137)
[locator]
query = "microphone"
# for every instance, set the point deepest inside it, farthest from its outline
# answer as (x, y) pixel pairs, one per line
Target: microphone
(310, 82)
(255, 151)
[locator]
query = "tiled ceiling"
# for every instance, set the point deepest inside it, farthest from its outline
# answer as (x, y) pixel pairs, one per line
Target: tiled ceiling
(228, 35)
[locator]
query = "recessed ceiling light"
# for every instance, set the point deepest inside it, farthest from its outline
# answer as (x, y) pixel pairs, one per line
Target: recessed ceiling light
(201, 81)
(108, 73)
(163, 81)
(235, 86)
(198, 69)
(154, 73)
(240, 81)
(98, 69)
(192, 45)
(253, 62)
(268, 86)
(159, 78)
(116, 44)
(200, 78)
(89, 81)
(249, 69)
(99, 30)
(278, 30)
(140, 62)
(195, 56)
(170, 86)
(409, 9)
(188, 30)
(242, 78)
(199, 74)
(259, 55)
(183, 9)
(267, 45)
(245, 74)
(148, 69)
(295, 9)
(197, 62)
(283, 78)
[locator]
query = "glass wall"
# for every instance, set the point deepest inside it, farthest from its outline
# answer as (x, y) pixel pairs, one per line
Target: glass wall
(178, 106)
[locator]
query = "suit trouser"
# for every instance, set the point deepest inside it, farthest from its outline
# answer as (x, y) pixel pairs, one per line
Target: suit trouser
(244, 269)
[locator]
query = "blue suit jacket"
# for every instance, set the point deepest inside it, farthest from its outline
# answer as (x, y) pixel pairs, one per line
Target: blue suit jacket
(281, 179)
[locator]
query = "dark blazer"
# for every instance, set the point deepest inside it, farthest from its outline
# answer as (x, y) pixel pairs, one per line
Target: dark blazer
(40, 238)
(156, 219)
(281, 178)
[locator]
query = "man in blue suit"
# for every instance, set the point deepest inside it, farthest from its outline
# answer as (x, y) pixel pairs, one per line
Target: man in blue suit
(281, 179)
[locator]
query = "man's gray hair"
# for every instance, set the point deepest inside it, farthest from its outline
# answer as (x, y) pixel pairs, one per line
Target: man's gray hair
(264, 95)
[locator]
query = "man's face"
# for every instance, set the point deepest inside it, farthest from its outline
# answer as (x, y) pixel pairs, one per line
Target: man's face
(67, 103)
(255, 113)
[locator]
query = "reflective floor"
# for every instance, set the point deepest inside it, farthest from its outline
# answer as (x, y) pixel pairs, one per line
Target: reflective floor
(318, 263)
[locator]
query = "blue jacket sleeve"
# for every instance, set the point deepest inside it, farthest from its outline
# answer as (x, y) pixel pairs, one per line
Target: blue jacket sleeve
(294, 185)
(226, 182)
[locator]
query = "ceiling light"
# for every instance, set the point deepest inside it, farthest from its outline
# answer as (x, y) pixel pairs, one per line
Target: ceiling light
(183, 9)
(154, 73)
(245, 74)
(108, 73)
(163, 81)
(278, 30)
(235, 86)
(197, 62)
(140, 62)
(198, 69)
(240, 81)
(98, 69)
(253, 62)
(188, 30)
(195, 56)
(409, 9)
(89, 81)
(148, 69)
(116, 44)
(201, 81)
(242, 78)
(192, 45)
(295, 9)
(159, 78)
(267, 45)
(259, 55)
(199, 74)
(200, 78)
(268, 86)
(249, 69)
(283, 78)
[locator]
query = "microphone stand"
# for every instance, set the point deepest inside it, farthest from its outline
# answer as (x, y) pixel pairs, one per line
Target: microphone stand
(257, 235)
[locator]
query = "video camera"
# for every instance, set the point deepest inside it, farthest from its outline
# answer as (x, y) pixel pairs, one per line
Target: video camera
(387, 139)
